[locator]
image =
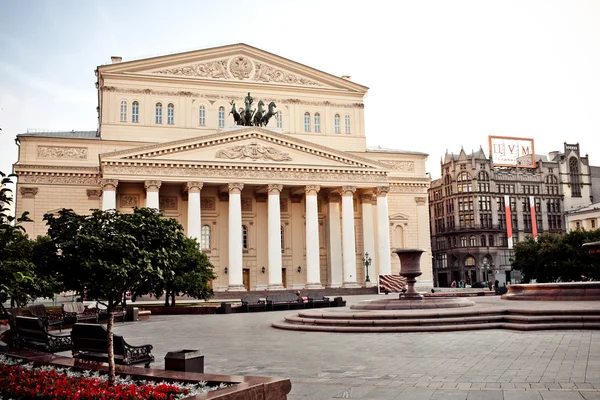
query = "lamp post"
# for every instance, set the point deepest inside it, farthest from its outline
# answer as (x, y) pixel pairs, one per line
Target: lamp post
(486, 268)
(367, 261)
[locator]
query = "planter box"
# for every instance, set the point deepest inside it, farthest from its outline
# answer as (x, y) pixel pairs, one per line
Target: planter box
(185, 360)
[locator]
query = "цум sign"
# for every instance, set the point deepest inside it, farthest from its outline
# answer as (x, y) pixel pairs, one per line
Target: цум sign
(512, 152)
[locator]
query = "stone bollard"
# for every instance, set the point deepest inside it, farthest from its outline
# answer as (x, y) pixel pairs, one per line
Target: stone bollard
(185, 360)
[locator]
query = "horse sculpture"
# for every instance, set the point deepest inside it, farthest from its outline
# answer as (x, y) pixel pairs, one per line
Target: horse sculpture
(259, 114)
(236, 116)
(265, 119)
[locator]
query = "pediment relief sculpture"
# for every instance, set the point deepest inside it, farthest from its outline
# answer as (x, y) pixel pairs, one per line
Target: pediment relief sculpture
(254, 151)
(239, 68)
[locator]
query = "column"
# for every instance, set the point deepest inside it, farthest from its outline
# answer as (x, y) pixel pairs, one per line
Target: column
(335, 240)
(194, 219)
(313, 265)
(368, 233)
(28, 204)
(152, 189)
(235, 237)
(109, 193)
(383, 232)
(274, 238)
(348, 240)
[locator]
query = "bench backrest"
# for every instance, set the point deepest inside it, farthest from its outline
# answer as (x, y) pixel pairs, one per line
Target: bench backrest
(31, 328)
(316, 296)
(12, 314)
(251, 298)
(38, 310)
(74, 307)
(282, 297)
(94, 338)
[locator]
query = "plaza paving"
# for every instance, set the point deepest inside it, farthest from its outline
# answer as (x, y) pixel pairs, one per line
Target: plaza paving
(489, 364)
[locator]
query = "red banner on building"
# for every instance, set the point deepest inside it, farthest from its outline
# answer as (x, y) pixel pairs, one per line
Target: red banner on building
(534, 231)
(509, 236)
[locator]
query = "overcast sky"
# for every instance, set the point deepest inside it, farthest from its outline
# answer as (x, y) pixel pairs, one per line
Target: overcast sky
(442, 74)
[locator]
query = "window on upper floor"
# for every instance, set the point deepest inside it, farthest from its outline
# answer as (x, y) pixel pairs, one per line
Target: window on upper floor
(170, 114)
(205, 237)
(472, 241)
(244, 237)
(491, 240)
(123, 111)
(347, 123)
(158, 113)
(279, 119)
(202, 116)
(463, 241)
(483, 241)
(135, 112)
(336, 124)
(317, 122)
(575, 178)
(306, 122)
(221, 117)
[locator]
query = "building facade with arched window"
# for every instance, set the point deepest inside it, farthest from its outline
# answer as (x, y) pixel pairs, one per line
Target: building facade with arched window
(467, 209)
(294, 196)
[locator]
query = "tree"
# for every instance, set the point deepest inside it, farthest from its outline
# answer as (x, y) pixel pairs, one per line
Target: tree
(109, 253)
(557, 257)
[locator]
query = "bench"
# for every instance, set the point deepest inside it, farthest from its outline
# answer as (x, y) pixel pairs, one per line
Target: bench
(77, 312)
(102, 312)
(252, 302)
(48, 320)
(317, 300)
(32, 333)
(284, 300)
(90, 343)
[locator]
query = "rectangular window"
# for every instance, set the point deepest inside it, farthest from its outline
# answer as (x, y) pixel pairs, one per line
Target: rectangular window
(306, 122)
(317, 123)
(347, 123)
(135, 112)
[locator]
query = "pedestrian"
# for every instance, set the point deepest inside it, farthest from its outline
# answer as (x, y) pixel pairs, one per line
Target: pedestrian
(453, 284)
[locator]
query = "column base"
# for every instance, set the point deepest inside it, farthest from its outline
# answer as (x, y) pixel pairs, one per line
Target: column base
(368, 284)
(334, 285)
(220, 288)
(298, 286)
(260, 287)
(236, 288)
(351, 285)
(278, 286)
(314, 286)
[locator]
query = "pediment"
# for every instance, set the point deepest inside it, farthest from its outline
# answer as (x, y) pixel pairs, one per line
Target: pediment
(252, 145)
(235, 63)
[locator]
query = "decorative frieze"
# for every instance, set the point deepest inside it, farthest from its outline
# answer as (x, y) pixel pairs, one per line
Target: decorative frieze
(208, 203)
(254, 151)
(129, 200)
(28, 192)
(93, 194)
(267, 73)
(58, 178)
(212, 69)
(167, 202)
(58, 152)
(404, 166)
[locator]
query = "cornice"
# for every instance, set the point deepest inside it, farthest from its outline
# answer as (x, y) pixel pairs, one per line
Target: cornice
(31, 167)
(242, 134)
(58, 178)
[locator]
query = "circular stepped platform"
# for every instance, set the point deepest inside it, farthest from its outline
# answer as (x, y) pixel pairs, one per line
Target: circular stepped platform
(492, 315)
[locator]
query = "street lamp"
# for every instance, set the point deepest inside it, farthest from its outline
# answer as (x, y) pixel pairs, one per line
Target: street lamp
(486, 268)
(367, 261)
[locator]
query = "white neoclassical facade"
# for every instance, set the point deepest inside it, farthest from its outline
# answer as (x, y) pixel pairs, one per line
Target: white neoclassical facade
(293, 204)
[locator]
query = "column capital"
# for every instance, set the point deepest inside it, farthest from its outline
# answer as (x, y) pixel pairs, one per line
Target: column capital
(274, 189)
(382, 190)
(194, 187)
(421, 200)
(235, 188)
(348, 190)
(93, 194)
(152, 185)
(312, 189)
(109, 184)
(334, 196)
(28, 192)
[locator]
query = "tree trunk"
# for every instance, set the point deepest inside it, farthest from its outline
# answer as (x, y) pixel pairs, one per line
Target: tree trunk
(111, 351)
(167, 298)
(173, 299)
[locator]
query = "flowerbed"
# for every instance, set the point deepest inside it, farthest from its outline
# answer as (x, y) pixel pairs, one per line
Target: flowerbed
(24, 381)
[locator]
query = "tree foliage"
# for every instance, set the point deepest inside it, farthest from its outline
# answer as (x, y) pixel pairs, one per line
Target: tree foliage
(558, 257)
(109, 253)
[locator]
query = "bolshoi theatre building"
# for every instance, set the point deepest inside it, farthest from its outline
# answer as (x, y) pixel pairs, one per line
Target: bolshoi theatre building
(262, 159)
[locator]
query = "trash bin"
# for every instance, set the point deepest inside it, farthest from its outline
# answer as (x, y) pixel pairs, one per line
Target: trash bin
(185, 360)
(225, 308)
(339, 302)
(132, 313)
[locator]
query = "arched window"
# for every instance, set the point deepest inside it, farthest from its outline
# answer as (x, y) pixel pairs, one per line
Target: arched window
(336, 123)
(279, 119)
(472, 241)
(306, 122)
(347, 123)
(123, 111)
(482, 240)
(170, 114)
(469, 261)
(244, 237)
(158, 118)
(463, 241)
(575, 178)
(221, 117)
(135, 112)
(491, 240)
(317, 122)
(205, 237)
(202, 116)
